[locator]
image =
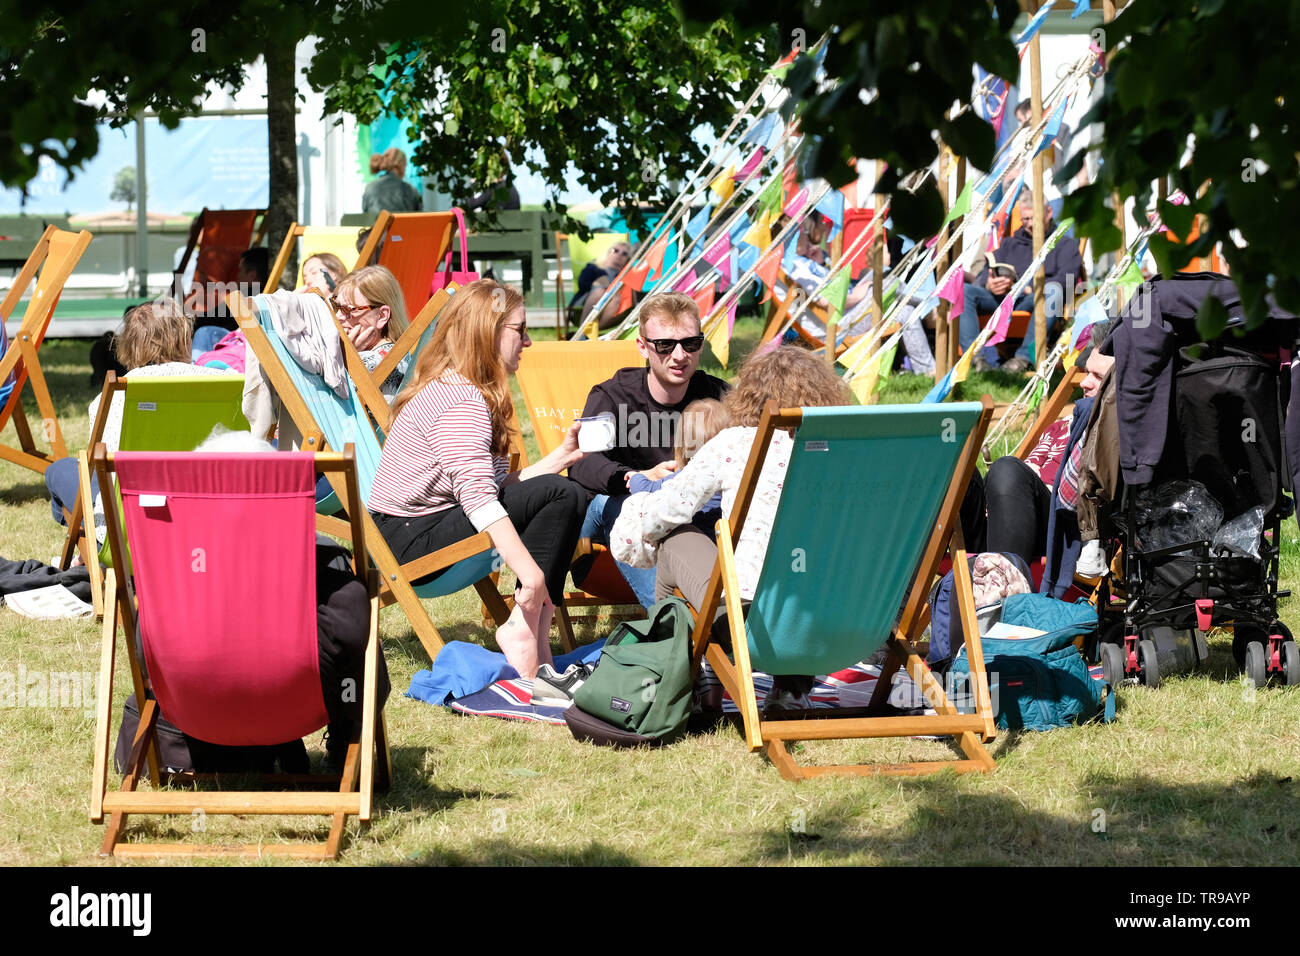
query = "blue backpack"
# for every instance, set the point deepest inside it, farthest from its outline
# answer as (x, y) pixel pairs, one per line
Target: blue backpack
(1041, 682)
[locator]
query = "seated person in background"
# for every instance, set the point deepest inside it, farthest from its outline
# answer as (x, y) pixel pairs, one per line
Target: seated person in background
(215, 320)
(389, 191)
(154, 342)
(656, 529)
(500, 195)
(1019, 494)
(595, 279)
(986, 288)
(322, 271)
(442, 475)
(646, 404)
(372, 311)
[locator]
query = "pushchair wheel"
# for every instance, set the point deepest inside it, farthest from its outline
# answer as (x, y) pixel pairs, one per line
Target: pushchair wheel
(1148, 668)
(1112, 663)
(1256, 664)
(1291, 663)
(1243, 635)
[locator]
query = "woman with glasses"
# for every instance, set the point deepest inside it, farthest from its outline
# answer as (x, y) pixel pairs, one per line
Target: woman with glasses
(370, 307)
(443, 475)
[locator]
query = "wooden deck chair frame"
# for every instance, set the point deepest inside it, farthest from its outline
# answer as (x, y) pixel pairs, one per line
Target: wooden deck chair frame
(395, 578)
(296, 232)
(780, 311)
(77, 540)
(366, 766)
(22, 358)
(772, 735)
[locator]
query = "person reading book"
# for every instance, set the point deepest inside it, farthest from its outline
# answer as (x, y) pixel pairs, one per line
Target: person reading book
(985, 289)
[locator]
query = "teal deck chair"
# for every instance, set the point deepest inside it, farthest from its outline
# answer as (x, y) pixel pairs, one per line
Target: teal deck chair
(158, 414)
(868, 506)
(325, 421)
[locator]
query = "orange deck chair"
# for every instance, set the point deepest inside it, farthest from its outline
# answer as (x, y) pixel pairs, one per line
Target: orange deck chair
(411, 245)
(220, 236)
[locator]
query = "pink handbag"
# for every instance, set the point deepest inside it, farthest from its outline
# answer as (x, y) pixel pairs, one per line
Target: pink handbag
(445, 275)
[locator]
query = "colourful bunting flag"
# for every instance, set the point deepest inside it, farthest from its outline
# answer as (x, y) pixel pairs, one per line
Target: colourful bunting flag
(723, 185)
(761, 130)
(698, 222)
(1088, 313)
(1001, 319)
(720, 340)
(655, 257)
(961, 206)
(746, 257)
(716, 252)
(1053, 127)
(704, 298)
(832, 207)
(739, 229)
(940, 390)
(1080, 8)
(1035, 24)
(769, 200)
(795, 206)
(954, 291)
(747, 171)
(636, 278)
(836, 291)
(768, 269)
(1130, 280)
(760, 234)
(686, 281)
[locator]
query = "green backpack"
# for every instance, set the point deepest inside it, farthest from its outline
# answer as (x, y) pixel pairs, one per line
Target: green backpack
(640, 691)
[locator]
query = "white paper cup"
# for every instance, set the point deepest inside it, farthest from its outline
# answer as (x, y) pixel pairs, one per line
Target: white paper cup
(597, 433)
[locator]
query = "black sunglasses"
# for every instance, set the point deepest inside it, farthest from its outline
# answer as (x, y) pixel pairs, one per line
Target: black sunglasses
(666, 346)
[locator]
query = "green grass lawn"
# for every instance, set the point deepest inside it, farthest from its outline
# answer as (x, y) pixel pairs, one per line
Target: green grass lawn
(1202, 771)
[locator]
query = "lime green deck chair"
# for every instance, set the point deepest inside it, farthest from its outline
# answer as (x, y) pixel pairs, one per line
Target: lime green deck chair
(868, 505)
(324, 421)
(158, 414)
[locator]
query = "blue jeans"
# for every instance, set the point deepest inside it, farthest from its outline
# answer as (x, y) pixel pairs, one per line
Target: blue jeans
(979, 299)
(63, 483)
(206, 338)
(599, 521)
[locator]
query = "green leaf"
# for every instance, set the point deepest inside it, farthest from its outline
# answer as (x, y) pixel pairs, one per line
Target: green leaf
(1211, 319)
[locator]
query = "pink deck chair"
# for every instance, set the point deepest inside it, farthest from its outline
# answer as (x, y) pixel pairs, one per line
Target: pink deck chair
(224, 585)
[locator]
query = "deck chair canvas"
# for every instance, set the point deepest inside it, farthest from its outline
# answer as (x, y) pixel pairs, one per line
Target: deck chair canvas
(311, 240)
(239, 672)
(869, 460)
(412, 246)
(56, 254)
(220, 237)
(323, 420)
(579, 255)
(555, 378)
(158, 414)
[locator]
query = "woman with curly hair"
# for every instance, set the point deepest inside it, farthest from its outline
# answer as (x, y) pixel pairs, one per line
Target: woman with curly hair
(442, 476)
(654, 529)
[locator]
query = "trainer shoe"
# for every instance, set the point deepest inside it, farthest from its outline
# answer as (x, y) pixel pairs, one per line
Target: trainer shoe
(559, 688)
(1017, 365)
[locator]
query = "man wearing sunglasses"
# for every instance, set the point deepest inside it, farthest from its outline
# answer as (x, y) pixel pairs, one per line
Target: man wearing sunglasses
(646, 404)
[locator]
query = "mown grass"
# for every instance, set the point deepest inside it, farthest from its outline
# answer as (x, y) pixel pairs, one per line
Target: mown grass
(1202, 771)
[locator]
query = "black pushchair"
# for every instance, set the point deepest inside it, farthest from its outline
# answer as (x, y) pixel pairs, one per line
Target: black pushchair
(1200, 541)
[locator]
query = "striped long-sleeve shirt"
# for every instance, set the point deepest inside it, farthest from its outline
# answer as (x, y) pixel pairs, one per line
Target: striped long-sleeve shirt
(438, 455)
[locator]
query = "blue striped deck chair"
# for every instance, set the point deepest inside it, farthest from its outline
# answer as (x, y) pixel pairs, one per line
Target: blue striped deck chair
(325, 421)
(835, 575)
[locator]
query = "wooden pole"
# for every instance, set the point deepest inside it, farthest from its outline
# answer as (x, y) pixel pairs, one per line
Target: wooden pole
(1121, 220)
(1040, 202)
(941, 345)
(954, 345)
